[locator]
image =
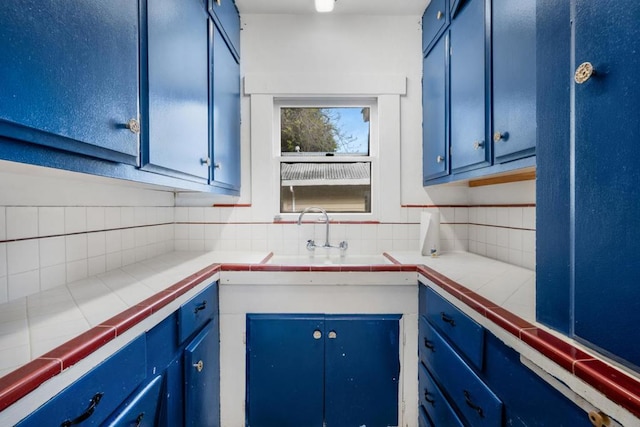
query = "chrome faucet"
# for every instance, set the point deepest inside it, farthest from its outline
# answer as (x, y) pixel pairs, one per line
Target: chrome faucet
(311, 245)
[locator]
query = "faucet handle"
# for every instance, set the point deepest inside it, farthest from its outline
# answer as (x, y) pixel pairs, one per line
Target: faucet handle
(311, 245)
(344, 245)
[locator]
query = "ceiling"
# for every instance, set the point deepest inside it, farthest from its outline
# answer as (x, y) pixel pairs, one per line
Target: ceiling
(353, 7)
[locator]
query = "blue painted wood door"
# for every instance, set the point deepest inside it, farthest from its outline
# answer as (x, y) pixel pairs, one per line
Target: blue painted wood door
(435, 129)
(514, 79)
(225, 112)
(202, 378)
(285, 370)
(469, 68)
(226, 16)
(176, 95)
(70, 75)
(607, 177)
(362, 370)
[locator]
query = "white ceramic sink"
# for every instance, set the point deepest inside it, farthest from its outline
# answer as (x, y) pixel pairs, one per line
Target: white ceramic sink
(321, 259)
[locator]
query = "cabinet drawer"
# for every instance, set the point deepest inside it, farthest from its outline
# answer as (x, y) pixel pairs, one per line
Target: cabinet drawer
(474, 400)
(194, 313)
(140, 409)
(98, 393)
(434, 20)
(434, 403)
(465, 334)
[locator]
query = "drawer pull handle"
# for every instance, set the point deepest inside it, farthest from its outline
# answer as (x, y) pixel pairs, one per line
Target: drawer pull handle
(467, 399)
(200, 307)
(86, 414)
(429, 345)
(427, 398)
(139, 419)
(447, 319)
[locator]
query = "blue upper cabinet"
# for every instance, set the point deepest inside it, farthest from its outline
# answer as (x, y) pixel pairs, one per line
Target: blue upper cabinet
(225, 14)
(435, 129)
(225, 112)
(469, 71)
(70, 76)
(176, 91)
(434, 21)
(607, 194)
(514, 79)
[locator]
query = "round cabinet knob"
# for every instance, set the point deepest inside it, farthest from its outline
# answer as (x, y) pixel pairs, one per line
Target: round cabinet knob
(199, 366)
(218, 165)
(218, 2)
(133, 125)
(439, 159)
(599, 419)
(584, 72)
(439, 15)
(205, 161)
(478, 145)
(332, 335)
(317, 334)
(499, 136)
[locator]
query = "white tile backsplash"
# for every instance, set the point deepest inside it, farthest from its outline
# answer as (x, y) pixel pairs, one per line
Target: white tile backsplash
(75, 219)
(22, 256)
(22, 222)
(50, 221)
(95, 218)
(3, 221)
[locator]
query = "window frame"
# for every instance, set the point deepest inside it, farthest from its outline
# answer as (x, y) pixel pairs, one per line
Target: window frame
(372, 158)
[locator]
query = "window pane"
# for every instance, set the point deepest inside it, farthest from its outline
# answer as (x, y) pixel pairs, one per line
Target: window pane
(338, 130)
(337, 187)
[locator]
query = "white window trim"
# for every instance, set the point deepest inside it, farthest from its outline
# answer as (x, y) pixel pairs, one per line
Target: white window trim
(372, 158)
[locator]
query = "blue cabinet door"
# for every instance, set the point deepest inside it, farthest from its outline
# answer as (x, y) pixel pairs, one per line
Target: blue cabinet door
(176, 92)
(362, 370)
(225, 112)
(202, 378)
(434, 20)
(469, 69)
(70, 75)
(226, 16)
(140, 409)
(435, 129)
(514, 79)
(285, 370)
(93, 397)
(606, 190)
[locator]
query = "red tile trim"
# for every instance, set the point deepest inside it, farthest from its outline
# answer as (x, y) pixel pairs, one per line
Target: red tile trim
(25, 379)
(235, 267)
(561, 352)
(232, 205)
(390, 258)
(507, 320)
(128, 318)
(333, 222)
(611, 382)
(266, 267)
(76, 349)
(267, 258)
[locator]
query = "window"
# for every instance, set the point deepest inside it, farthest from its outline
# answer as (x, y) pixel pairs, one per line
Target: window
(325, 157)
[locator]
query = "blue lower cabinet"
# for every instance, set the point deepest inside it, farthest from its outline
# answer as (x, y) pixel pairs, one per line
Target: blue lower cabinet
(191, 366)
(322, 370)
(500, 391)
(97, 394)
(470, 395)
(202, 378)
(362, 370)
(433, 402)
(140, 409)
(285, 370)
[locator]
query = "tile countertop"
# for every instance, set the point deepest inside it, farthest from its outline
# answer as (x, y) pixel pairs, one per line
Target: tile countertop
(56, 320)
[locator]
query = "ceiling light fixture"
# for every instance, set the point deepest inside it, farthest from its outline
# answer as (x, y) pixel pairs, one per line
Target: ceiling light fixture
(324, 5)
